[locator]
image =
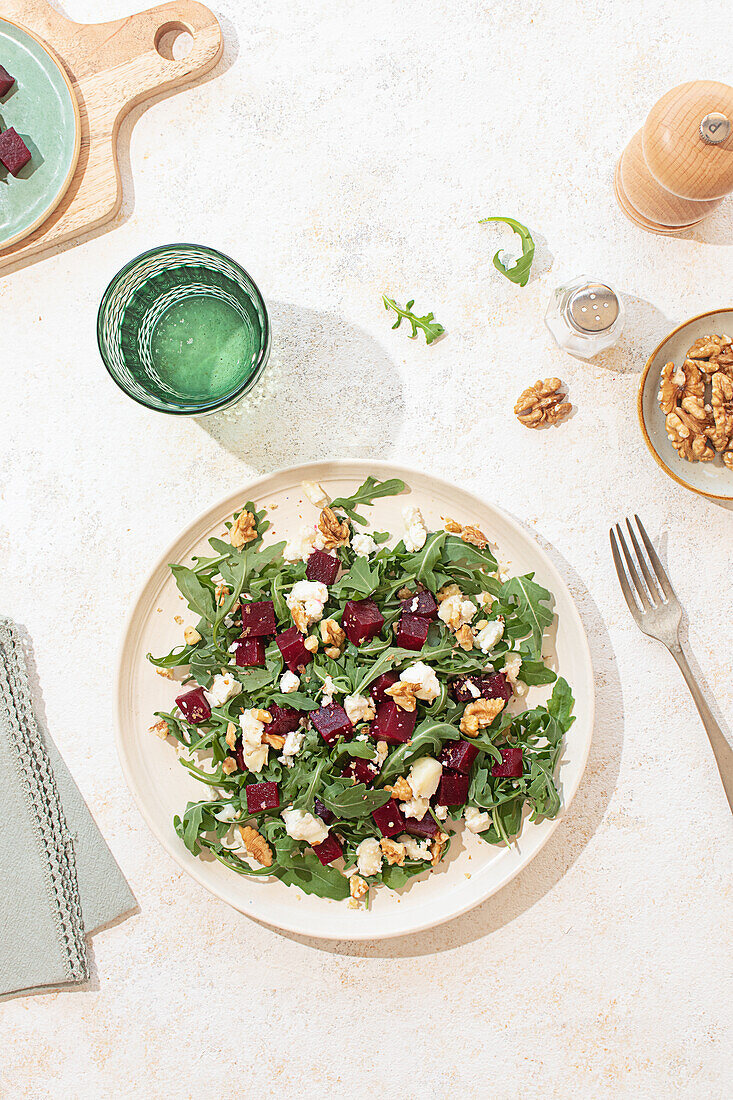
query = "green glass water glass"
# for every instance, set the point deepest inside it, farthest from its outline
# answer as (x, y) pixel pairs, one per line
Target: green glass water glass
(183, 329)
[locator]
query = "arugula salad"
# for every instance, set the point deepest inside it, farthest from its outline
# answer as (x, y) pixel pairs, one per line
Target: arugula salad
(350, 696)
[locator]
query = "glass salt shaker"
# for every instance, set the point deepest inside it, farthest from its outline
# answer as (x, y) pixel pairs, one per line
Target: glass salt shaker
(585, 317)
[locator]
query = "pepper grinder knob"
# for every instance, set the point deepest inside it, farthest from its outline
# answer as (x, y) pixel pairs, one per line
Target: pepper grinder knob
(679, 167)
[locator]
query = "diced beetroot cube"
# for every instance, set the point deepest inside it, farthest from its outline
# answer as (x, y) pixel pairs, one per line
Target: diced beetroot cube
(290, 644)
(492, 685)
(258, 619)
(6, 81)
(422, 603)
(453, 790)
(458, 756)
(194, 706)
(378, 690)
(14, 153)
(262, 796)
(361, 620)
(326, 815)
(412, 631)
(331, 722)
(511, 763)
(329, 849)
(322, 567)
(425, 827)
(389, 819)
(284, 719)
(392, 723)
(363, 771)
(249, 652)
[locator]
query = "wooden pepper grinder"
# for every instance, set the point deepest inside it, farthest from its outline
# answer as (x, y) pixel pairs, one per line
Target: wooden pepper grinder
(679, 166)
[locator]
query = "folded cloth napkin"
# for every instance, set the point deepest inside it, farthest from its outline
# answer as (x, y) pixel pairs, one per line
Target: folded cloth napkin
(58, 879)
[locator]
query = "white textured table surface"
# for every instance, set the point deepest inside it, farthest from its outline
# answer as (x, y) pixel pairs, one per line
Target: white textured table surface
(342, 150)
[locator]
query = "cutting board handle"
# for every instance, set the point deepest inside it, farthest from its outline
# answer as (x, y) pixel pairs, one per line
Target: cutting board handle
(130, 46)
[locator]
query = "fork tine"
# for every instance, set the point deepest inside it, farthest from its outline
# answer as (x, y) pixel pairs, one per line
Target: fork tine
(625, 586)
(635, 578)
(656, 563)
(654, 593)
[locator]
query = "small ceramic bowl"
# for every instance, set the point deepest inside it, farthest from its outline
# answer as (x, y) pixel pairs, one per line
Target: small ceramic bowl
(709, 479)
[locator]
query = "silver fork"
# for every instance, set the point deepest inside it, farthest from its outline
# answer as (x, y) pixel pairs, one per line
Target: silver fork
(656, 610)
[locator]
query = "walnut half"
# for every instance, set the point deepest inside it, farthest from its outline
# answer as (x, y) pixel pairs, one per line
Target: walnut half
(543, 403)
(256, 845)
(479, 714)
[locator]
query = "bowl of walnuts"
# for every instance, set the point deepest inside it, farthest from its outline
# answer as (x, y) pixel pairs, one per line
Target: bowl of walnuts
(685, 404)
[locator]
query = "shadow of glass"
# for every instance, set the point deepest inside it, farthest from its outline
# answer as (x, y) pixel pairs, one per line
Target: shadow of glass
(572, 834)
(328, 391)
(644, 327)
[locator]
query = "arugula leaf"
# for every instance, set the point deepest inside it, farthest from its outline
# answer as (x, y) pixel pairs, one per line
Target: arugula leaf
(369, 491)
(520, 272)
(429, 736)
(199, 597)
(347, 800)
(528, 599)
(360, 581)
(560, 704)
(178, 656)
(428, 324)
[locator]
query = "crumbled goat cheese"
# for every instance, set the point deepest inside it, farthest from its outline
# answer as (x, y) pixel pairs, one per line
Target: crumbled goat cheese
(417, 808)
(223, 687)
(416, 849)
(472, 689)
(359, 709)
(316, 494)
(304, 826)
(456, 611)
(228, 813)
(441, 812)
(300, 547)
(311, 597)
(424, 676)
(425, 776)
(512, 666)
(328, 691)
(382, 752)
(289, 681)
(293, 743)
(476, 820)
(487, 638)
(369, 857)
(363, 545)
(253, 751)
(416, 531)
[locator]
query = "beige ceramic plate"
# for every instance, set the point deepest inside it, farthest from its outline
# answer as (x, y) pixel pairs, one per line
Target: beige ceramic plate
(710, 479)
(162, 787)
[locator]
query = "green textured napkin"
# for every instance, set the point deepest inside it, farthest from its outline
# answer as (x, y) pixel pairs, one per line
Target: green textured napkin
(58, 879)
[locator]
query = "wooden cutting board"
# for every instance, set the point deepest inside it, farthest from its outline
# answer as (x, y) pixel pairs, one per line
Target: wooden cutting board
(112, 67)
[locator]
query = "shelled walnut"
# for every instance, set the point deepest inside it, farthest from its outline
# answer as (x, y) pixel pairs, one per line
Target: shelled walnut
(697, 401)
(543, 403)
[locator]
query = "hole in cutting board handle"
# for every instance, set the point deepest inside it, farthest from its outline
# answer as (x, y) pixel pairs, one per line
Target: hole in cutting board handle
(174, 41)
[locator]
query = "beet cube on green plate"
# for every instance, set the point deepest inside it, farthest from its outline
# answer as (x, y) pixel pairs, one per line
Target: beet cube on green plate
(14, 153)
(6, 81)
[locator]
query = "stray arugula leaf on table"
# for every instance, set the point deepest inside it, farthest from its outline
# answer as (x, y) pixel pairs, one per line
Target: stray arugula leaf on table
(432, 328)
(519, 273)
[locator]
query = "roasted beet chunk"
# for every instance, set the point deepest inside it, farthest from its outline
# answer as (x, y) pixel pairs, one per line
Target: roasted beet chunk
(491, 685)
(422, 603)
(331, 722)
(249, 652)
(425, 827)
(511, 763)
(363, 771)
(14, 153)
(6, 81)
(194, 706)
(361, 620)
(412, 631)
(453, 790)
(322, 567)
(258, 619)
(290, 644)
(378, 690)
(392, 723)
(322, 810)
(284, 719)
(262, 796)
(389, 819)
(458, 756)
(328, 850)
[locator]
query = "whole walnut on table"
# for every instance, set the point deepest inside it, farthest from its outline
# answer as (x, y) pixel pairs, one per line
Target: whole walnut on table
(542, 403)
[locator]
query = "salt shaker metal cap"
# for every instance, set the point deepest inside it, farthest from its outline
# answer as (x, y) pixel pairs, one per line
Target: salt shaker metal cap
(585, 317)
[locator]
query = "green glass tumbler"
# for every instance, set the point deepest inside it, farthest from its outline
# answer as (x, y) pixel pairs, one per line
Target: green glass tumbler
(183, 329)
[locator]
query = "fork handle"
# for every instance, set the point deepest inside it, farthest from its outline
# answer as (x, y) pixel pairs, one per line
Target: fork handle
(721, 748)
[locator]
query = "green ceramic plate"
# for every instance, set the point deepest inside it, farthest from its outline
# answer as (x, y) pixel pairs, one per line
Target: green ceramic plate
(42, 107)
